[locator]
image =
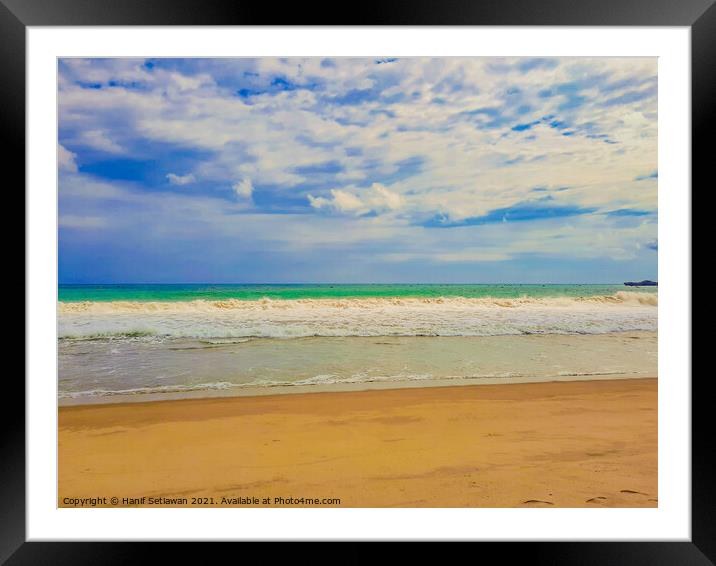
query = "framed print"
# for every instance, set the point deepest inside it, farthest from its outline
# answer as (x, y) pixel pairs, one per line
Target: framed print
(422, 276)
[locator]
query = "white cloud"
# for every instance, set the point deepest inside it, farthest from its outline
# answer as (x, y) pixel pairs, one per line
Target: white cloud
(383, 198)
(98, 139)
(458, 157)
(375, 199)
(243, 189)
(180, 179)
(342, 201)
(66, 160)
(171, 217)
(452, 118)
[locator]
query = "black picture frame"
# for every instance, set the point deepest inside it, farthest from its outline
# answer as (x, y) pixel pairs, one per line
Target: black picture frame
(16, 15)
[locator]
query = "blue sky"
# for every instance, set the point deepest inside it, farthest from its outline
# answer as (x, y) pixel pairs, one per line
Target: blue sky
(375, 169)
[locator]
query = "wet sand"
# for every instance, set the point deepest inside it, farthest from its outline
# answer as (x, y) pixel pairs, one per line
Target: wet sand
(554, 444)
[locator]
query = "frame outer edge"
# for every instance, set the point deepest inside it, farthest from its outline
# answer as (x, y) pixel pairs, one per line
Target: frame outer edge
(369, 12)
(703, 111)
(12, 417)
(12, 100)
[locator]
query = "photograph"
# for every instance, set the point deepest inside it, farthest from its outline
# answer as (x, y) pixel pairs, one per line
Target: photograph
(357, 282)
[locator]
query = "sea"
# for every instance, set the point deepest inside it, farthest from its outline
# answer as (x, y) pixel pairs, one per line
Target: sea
(148, 342)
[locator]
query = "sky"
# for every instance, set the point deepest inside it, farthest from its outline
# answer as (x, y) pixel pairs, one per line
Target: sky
(357, 170)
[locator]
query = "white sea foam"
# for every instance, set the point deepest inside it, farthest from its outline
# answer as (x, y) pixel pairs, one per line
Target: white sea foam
(454, 316)
(370, 303)
(324, 379)
(318, 380)
(144, 390)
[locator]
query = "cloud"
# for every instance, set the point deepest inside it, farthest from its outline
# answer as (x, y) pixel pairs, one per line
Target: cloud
(377, 198)
(384, 199)
(180, 179)
(342, 201)
(66, 160)
(243, 189)
(293, 131)
(99, 140)
(385, 149)
(145, 237)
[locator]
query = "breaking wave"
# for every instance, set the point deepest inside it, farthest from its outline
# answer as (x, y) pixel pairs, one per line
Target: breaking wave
(231, 320)
(107, 307)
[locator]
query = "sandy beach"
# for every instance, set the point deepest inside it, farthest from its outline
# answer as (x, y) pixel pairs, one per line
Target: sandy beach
(554, 444)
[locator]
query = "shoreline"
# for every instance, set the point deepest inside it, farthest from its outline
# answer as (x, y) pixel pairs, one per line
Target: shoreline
(109, 372)
(348, 387)
(551, 444)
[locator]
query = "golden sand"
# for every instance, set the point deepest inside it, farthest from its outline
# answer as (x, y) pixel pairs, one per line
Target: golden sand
(557, 444)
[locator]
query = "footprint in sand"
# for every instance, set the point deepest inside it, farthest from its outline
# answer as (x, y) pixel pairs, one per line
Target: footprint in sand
(632, 492)
(597, 499)
(533, 501)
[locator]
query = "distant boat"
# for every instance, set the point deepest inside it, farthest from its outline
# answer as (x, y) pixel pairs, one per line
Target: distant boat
(645, 283)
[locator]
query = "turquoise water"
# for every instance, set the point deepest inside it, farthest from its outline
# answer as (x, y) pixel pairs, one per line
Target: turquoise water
(175, 292)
